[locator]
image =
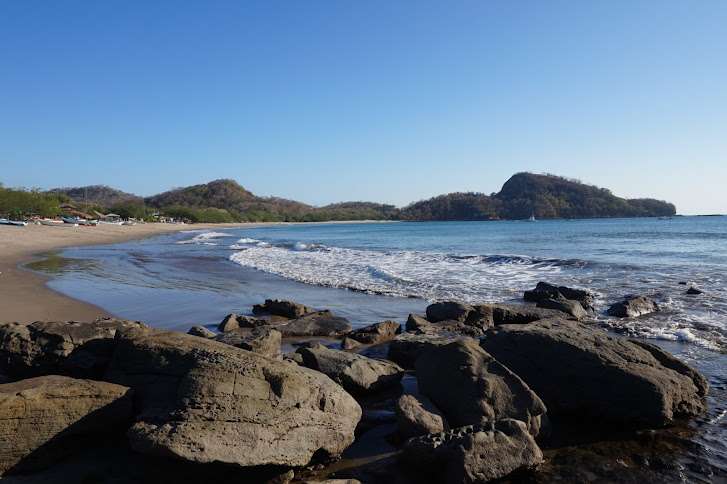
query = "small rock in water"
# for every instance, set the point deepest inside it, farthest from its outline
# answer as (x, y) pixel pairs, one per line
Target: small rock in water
(202, 332)
(632, 307)
(236, 322)
(282, 307)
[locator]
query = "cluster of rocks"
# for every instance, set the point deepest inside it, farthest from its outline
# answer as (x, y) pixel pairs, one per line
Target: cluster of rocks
(165, 394)
(489, 378)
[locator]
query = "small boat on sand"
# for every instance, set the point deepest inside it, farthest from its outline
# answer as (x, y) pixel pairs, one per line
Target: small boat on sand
(19, 223)
(111, 222)
(53, 222)
(68, 220)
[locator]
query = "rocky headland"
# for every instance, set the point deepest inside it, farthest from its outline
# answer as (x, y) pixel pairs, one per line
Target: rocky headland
(467, 393)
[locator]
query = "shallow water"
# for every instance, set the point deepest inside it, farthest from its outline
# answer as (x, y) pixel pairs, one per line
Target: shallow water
(372, 272)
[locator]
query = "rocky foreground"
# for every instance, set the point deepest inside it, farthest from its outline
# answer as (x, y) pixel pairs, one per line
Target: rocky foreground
(495, 385)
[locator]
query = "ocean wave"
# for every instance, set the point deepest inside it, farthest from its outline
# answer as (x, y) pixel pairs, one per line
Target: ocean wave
(431, 276)
(205, 238)
(245, 243)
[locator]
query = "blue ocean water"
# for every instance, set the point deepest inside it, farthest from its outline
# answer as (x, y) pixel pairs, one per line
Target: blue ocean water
(370, 272)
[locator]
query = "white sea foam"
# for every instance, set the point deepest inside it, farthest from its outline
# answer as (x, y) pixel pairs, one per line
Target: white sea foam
(205, 238)
(403, 273)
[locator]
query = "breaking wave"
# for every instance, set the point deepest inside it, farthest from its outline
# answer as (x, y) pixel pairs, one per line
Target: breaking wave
(431, 276)
(205, 238)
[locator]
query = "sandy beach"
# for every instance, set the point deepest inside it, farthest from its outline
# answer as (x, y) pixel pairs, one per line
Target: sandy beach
(24, 297)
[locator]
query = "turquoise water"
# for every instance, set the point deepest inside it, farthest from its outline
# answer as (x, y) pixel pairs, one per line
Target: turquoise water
(376, 271)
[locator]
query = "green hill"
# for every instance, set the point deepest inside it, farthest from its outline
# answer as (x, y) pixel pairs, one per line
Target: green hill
(544, 196)
(98, 195)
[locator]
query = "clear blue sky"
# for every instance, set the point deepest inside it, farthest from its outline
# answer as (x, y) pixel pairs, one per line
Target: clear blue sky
(386, 101)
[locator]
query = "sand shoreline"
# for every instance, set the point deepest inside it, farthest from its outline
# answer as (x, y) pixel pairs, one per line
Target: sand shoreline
(24, 296)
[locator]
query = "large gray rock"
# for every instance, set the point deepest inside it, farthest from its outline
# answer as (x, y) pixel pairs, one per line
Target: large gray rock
(416, 323)
(474, 454)
(469, 386)
(448, 310)
(571, 307)
(633, 307)
(205, 401)
(265, 341)
(41, 418)
(544, 290)
(236, 322)
(578, 370)
(670, 361)
(282, 307)
(507, 314)
(376, 333)
(456, 317)
(416, 415)
(405, 348)
(315, 324)
(357, 374)
(80, 350)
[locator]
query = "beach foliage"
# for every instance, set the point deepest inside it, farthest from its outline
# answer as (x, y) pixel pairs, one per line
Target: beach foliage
(21, 203)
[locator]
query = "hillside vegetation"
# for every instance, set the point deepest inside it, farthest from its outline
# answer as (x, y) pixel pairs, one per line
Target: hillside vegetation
(542, 196)
(524, 194)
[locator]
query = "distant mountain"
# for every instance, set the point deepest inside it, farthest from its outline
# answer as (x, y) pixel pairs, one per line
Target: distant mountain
(543, 196)
(97, 195)
(523, 195)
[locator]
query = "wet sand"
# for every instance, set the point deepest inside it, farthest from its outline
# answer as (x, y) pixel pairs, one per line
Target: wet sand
(24, 297)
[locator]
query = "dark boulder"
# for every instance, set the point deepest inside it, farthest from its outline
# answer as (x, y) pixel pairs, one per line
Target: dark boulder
(405, 348)
(416, 415)
(265, 341)
(670, 361)
(357, 374)
(376, 333)
(416, 323)
(581, 371)
(507, 314)
(469, 386)
(348, 343)
(544, 290)
(79, 350)
(236, 322)
(482, 316)
(474, 454)
(316, 324)
(568, 306)
(42, 419)
(693, 291)
(204, 401)
(202, 332)
(633, 307)
(281, 307)
(457, 317)
(448, 310)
